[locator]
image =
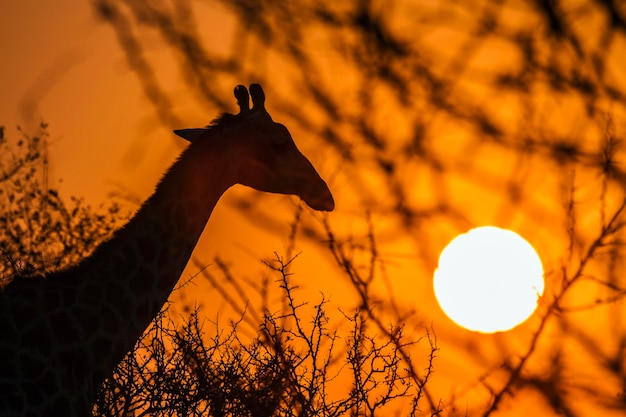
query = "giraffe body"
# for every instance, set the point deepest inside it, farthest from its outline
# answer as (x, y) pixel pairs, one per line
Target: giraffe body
(62, 335)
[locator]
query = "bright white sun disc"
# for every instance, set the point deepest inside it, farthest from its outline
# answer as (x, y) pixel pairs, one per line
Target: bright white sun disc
(488, 279)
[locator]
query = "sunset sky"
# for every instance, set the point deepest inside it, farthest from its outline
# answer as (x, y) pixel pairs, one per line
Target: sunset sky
(506, 128)
(66, 69)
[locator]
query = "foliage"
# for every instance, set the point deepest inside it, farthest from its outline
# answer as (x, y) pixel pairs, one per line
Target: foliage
(293, 367)
(40, 231)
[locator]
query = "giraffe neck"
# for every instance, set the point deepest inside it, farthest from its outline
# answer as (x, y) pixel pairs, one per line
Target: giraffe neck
(80, 322)
(145, 259)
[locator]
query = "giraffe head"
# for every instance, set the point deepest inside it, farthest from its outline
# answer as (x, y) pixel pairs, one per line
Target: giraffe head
(264, 152)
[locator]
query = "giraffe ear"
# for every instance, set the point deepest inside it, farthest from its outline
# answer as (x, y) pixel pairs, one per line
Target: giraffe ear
(258, 97)
(191, 134)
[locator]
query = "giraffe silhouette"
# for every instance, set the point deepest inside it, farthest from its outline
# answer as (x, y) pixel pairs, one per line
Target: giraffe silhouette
(62, 335)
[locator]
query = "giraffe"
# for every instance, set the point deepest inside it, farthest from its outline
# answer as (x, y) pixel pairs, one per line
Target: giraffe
(63, 334)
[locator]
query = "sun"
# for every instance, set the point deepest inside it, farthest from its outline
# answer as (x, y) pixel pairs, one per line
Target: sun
(488, 280)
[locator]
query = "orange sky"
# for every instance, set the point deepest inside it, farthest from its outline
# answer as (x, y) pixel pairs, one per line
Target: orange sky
(63, 66)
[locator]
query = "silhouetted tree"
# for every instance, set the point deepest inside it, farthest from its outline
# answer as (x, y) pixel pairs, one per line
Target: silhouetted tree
(295, 366)
(40, 231)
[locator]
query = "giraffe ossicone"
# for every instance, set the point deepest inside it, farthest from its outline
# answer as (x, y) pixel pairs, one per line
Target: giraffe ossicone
(62, 335)
(243, 99)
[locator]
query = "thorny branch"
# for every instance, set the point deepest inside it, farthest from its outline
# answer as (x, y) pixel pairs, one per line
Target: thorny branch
(346, 254)
(608, 231)
(291, 367)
